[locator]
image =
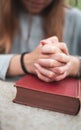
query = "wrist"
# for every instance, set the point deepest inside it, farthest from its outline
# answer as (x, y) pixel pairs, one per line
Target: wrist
(28, 62)
(22, 61)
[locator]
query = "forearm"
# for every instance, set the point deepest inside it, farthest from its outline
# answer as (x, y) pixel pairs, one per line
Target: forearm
(14, 68)
(4, 64)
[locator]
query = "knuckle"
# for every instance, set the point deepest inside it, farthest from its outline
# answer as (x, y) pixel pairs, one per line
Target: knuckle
(60, 71)
(51, 75)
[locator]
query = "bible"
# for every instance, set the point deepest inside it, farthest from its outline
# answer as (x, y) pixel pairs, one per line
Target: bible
(60, 96)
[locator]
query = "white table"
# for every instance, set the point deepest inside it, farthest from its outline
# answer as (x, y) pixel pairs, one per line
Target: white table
(19, 117)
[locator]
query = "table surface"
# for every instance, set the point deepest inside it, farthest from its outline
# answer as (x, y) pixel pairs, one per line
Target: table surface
(19, 117)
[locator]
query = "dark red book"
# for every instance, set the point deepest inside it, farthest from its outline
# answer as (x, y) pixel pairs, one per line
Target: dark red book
(61, 96)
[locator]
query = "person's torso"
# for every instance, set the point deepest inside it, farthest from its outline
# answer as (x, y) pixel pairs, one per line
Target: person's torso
(32, 32)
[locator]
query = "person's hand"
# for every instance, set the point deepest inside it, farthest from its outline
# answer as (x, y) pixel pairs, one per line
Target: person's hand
(32, 58)
(59, 68)
(46, 49)
(41, 53)
(70, 67)
(50, 44)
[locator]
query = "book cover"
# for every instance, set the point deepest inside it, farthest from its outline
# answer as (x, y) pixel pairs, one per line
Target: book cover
(60, 96)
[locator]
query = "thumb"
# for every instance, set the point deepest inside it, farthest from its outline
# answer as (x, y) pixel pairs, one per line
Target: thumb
(52, 40)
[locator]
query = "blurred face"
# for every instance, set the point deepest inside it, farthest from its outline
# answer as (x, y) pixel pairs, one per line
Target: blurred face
(36, 6)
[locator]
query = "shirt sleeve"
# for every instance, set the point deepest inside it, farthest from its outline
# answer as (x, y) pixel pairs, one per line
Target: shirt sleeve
(4, 64)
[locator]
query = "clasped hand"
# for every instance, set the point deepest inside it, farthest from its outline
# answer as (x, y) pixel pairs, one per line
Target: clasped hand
(51, 61)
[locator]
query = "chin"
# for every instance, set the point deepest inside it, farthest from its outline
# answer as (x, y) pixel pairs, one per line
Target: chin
(35, 11)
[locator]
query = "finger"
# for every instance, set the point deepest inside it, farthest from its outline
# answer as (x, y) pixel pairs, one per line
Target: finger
(61, 77)
(42, 77)
(53, 40)
(44, 71)
(63, 48)
(49, 63)
(50, 49)
(61, 70)
(61, 57)
(44, 42)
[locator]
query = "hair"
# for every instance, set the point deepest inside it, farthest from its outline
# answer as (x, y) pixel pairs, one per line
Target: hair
(53, 23)
(54, 18)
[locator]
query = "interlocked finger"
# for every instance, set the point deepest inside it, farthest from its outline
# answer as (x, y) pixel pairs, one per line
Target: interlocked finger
(49, 63)
(44, 71)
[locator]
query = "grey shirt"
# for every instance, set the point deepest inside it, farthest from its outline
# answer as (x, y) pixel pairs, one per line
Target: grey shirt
(21, 43)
